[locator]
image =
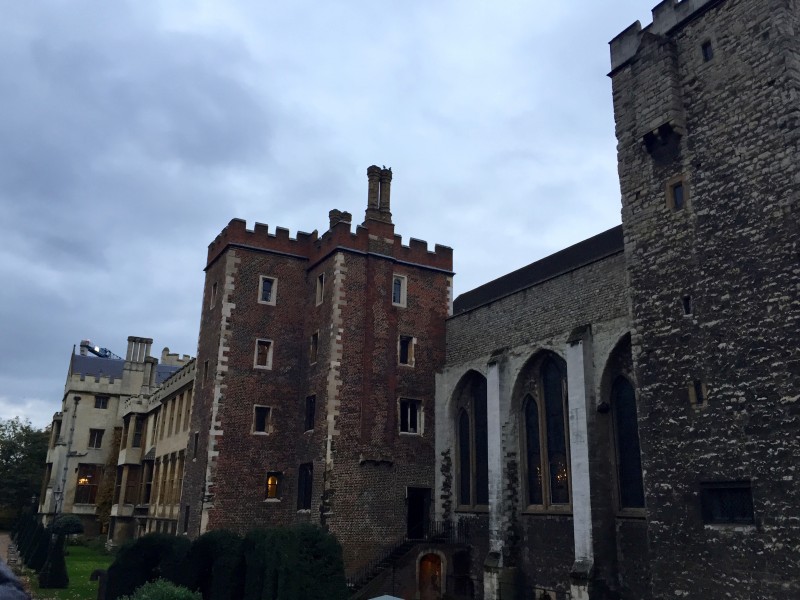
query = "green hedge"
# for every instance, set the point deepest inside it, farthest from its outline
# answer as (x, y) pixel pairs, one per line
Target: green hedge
(146, 559)
(162, 589)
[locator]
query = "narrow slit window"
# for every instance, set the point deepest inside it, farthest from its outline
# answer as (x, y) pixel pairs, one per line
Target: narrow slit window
(707, 50)
(314, 347)
(677, 196)
(687, 305)
(311, 407)
(212, 299)
(697, 393)
(305, 484)
(196, 443)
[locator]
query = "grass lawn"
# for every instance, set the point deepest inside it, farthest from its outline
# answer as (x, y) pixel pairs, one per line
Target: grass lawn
(80, 564)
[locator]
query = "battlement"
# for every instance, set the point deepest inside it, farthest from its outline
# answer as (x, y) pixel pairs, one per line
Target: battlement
(236, 232)
(666, 16)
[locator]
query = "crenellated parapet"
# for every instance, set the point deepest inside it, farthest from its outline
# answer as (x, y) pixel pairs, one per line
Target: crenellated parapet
(666, 16)
(375, 236)
(180, 378)
(90, 383)
(236, 233)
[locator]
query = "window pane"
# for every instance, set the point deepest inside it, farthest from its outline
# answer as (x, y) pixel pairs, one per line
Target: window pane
(552, 384)
(533, 452)
(629, 461)
(464, 461)
(481, 443)
(412, 417)
(266, 290)
(397, 290)
(404, 408)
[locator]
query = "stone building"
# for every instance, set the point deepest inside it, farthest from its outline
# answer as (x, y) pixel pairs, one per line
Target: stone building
(152, 453)
(314, 399)
(98, 386)
(620, 419)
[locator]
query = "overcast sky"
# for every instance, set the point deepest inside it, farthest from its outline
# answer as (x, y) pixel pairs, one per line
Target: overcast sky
(132, 132)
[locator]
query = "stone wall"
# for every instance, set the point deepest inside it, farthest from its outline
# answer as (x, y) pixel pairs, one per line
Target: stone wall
(732, 140)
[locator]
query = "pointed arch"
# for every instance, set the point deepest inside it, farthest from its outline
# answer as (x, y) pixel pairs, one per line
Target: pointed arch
(472, 439)
(540, 393)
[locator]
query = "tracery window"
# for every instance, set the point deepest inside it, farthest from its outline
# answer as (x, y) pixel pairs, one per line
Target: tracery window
(544, 435)
(473, 454)
(626, 433)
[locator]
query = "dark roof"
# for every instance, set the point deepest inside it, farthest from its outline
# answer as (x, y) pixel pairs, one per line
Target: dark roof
(94, 366)
(583, 253)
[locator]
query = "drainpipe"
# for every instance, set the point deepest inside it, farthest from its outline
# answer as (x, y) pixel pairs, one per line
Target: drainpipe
(63, 485)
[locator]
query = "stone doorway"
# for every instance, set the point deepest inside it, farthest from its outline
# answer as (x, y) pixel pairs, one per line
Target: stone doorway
(430, 577)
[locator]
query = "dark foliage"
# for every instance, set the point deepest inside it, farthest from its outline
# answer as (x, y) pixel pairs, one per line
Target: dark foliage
(23, 451)
(162, 590)
(153, 556)
(214, 566)
(39, 556)
(37, 536)
(67, 525)
(54, 571)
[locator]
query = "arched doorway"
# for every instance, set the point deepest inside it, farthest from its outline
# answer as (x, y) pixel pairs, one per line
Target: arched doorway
(430, 577)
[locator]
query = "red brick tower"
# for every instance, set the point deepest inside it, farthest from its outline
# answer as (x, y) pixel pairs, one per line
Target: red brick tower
(315, 385)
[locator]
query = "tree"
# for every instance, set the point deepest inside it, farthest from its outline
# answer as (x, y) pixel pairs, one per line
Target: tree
(23, 451)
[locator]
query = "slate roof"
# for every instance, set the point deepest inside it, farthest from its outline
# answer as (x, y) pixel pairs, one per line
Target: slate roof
(579, 255)
(94, 366)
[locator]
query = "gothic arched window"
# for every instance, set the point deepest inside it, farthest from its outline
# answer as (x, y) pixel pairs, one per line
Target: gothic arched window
(545, 434)
(629, 459)
(473, 443)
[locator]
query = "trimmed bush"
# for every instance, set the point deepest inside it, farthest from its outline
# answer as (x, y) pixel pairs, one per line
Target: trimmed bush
(67, 525)
(54, 571)
(254, 548)
(39, 557)
(146, 559)
(162, 589)
(33, 545)
(320, 568)
(214, 566)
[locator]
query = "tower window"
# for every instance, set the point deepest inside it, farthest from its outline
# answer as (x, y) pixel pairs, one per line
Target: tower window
(677, 193)
(101, 401)
(273, 491)
(263, 358)
(698, 393)
(212, 299)
(677, 196)
(707, 50)
(320, 294)
(399, 286)
(261, 420)
(305, 483)
(314, 347)
(267, 290)
(727, 502)
(410, 416)
(687, 305)
(406, 350)
(311, 407)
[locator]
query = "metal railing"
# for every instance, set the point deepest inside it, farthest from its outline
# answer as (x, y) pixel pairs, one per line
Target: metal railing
(440, 532)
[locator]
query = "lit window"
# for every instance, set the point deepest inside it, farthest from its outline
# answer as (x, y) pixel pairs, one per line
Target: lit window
(101, 401)
(261, 420)
(305, 484)
(320, 294)
(96, 438)
(410, 416)
(406, 350)
(263, 358)
(267, 290)
(727, 503)
(399, 290)
(311, 408)
(314, 347)
(88, 480)
(273, 491)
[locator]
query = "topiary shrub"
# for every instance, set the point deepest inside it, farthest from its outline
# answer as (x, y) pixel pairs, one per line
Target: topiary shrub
(31, 548)
(54, 571)
(146, 559)
(253, 562)
(319, 571)
(67, 525)
(39, 556)
(162, 589)
(214, 566)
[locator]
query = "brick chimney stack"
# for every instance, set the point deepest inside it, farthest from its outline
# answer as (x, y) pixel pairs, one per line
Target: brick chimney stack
(378, 192)
(337, 216)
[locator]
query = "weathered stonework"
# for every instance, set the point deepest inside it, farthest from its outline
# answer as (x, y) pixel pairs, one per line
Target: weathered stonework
(733, 248)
